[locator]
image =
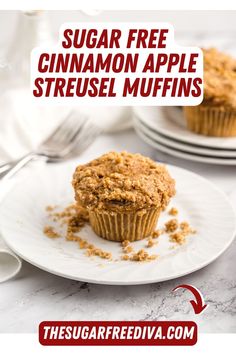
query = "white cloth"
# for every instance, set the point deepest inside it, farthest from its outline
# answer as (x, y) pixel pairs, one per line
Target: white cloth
(24, 125)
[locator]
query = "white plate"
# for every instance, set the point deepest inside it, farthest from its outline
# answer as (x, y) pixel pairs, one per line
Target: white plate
(23, 216)
(170, 122)
(145, 136)
(189, 148)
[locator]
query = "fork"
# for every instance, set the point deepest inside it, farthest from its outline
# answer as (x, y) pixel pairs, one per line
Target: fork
(74, 134)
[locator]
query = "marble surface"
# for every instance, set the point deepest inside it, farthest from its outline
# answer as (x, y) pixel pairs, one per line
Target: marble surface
(35, 295)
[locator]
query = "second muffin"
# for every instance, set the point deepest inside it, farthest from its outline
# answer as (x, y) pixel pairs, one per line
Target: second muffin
(216, 115)
(124, 194)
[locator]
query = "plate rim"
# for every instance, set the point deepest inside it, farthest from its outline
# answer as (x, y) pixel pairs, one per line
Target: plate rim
(184, 155)
(188, 148)
(135, 282)
(172, 135)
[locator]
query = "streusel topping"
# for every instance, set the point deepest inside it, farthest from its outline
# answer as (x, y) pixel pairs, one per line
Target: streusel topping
(219, 79)
(124, 182)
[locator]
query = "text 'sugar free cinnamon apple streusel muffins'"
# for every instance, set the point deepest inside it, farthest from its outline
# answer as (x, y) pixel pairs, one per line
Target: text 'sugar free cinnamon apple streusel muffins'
(124, 194)
(216, 115)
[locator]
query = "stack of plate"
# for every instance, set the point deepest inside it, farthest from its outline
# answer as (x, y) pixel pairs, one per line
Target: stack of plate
(164, 128)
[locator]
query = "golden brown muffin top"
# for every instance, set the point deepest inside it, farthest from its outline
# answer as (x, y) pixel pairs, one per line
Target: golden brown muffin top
(122, 182)
(219, 79)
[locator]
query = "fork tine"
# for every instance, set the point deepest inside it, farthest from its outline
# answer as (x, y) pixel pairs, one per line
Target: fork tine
(72, 130)
(75, 124)
(84, 138)
(59, 135)
(60, 127)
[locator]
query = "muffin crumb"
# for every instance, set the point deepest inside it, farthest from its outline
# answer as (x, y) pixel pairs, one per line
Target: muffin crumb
(125, 257)
(128, 249)
(186, 228)
(171, 225)
(178, 237)
(50, 208)
(83, 244)
(67, 213)
(71, 237)
(126, 246)
(50, 232)
(75, 218)
(173, 211)
(125, 243)
(142, 256)
(156, 233)
(99, 253)
(150, 242)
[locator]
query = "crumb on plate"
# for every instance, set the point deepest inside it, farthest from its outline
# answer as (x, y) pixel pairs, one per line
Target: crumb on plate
(173, 211)
(142, 256)
(171, 225)
(50, 208)
(180, 236)
(126, 246)
(151, 242)
(186, 228)
(50, 232)
(156, 233)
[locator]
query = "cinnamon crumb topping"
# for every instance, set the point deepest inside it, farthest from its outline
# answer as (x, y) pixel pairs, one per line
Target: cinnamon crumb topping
(219, 79)
(122, 182)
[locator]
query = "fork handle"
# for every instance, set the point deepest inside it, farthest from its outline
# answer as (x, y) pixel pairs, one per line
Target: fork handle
(4, 167)
(17, 165)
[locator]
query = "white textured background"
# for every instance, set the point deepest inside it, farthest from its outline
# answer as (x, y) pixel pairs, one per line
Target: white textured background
(184, 21)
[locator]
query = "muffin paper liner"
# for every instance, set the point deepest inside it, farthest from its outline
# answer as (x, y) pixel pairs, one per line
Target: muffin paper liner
(211, 121)
(117, 226)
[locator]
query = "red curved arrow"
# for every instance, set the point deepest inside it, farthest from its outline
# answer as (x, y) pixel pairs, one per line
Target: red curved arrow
(198, 305)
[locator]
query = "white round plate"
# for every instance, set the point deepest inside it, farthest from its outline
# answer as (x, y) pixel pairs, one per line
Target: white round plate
(23, 217)
(189, 148)
(170, 122)
(145, 136)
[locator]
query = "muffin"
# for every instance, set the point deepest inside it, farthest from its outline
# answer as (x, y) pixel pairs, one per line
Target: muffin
(123, 193)
(216, 115)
